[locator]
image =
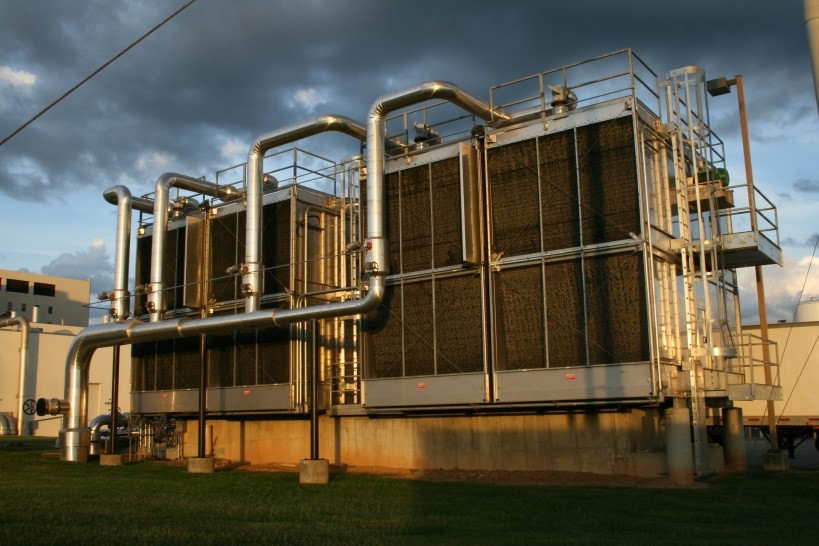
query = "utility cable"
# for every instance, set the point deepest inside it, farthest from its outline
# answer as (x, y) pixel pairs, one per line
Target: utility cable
(95, 72)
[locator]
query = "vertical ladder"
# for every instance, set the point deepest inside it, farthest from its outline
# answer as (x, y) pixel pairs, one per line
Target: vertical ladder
(691, 148)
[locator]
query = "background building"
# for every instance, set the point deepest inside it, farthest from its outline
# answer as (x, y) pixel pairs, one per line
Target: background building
(57, 309)
(45, 299)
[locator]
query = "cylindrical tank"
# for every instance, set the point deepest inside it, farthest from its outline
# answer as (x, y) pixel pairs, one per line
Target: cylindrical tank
(807, 311)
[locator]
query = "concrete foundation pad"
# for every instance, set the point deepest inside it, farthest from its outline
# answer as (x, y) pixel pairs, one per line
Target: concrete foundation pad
(110, 459)
(200, 465)
(775, 460)
(314, 471)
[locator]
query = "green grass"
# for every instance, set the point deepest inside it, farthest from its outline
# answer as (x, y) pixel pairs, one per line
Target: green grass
(43, 500)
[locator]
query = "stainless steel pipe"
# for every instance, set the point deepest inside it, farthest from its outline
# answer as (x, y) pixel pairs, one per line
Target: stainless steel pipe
(25, 330)
(156, 287)
(121, 197)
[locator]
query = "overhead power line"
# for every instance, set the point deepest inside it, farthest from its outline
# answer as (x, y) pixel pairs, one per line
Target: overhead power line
(95, 72)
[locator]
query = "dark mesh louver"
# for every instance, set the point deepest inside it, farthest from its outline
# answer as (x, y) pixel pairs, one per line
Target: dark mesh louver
(564, 314)
(174, 275)
(392, 224)
(608, 181)
(561, 224)
(423, 207)
(617, 315)
(246, 358)
(143, 365)
(513, 182)
(164, 365)
(276, 246)
(227, 248)
(459, 324)
(446, 209)
(408, 337)
(520, 310)
(385, 357)
(221, 349)
(143, 272)
(274, 355)
(418, 329)
(416, 223)
(187, 367)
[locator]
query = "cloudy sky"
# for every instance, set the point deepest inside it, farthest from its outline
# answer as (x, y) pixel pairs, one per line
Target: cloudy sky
(193, 96)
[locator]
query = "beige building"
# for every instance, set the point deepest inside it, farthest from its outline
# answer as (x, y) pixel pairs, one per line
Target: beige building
(56, 309)
(54, 300)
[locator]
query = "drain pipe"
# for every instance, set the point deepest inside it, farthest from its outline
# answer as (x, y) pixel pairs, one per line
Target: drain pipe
(25, 329)
(156, 287)
(125, 202)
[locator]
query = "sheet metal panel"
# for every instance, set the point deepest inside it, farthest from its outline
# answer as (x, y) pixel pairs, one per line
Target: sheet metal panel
(438, 390)
(578, 384)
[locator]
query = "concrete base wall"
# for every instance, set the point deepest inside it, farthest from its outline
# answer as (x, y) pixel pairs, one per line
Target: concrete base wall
(604, 443)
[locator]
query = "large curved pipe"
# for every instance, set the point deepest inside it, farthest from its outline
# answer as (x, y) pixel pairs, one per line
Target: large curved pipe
(156, 287)
(96, 426)
(376, 131)
(125, 202)
(75, 436)
(25, 329)
(252, 268)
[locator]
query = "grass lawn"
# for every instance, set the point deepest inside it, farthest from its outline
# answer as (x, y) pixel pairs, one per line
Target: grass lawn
(43, 500)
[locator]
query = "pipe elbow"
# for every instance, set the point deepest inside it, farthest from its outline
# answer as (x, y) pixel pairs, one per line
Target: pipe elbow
(117, 195)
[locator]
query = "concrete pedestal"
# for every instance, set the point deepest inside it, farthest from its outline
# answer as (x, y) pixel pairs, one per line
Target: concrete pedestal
(200, 465)
(110, 459)
(733, 439)
(314, 471)
(678, 446)
(775, 460)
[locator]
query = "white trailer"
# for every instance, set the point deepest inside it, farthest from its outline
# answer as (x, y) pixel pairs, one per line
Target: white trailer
(797, 414)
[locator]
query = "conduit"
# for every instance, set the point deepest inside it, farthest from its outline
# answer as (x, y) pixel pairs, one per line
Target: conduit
(75, 436)
(156, 288)
(25, 329)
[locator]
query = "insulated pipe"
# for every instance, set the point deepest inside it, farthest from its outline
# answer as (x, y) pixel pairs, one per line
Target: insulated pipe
(812, 24)
(121, 197)
(156, 288)
(25, 329)
(252, 268)
(75, 436)
(376, 131)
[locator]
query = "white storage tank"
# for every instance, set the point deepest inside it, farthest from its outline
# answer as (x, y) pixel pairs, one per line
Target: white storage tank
(807, 311)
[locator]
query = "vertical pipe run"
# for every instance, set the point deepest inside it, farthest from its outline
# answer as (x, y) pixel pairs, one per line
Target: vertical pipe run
(156, 288)
(114, 400)
(203, 393)
(25, 329)
(314, 398)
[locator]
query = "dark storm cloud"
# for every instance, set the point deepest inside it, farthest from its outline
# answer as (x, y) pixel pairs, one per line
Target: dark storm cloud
(225, 71)
(806, 185)
(808, 242)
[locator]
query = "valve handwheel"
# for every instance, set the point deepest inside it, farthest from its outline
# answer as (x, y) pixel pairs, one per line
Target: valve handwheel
(30, 406)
